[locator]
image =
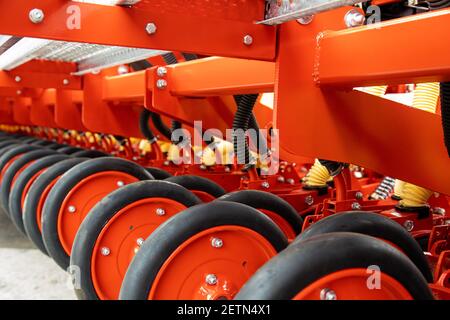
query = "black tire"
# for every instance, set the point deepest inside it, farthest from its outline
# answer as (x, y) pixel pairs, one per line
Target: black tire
(267, 201)
(374, 225)
(105, 210)
(10, 173)
(15, 196)
(62, 188)
(14, 150)
(69, 150)
(29, 140)
(158, 174)
(7, 143)
(55, 146)
(171, 234)
(34, 195)
(42, 143)
(197, 183)
(90, 154)
(305, 262)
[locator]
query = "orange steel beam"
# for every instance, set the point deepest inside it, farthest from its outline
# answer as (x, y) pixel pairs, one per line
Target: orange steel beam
(20, 79)
(127, 87)
(406, 50)
(220, 76)
(177, 29)
(352, 126)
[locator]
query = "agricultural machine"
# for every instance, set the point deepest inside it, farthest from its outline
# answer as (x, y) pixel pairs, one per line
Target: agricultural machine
(230, 149)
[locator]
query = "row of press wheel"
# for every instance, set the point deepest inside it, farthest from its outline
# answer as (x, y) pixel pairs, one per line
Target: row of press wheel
(136, 233)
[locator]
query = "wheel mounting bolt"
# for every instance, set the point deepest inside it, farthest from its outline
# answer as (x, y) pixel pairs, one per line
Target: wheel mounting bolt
(105, 251)
(265, 185)
(211, 279)
(327, 294)
(120, 183)
(217, 243)
(140, 242)
(161, 84)
(290, 181)
(72, 209)
(160, 211)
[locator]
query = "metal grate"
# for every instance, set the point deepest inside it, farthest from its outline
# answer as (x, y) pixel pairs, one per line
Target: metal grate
(89, 57)
(278, 12)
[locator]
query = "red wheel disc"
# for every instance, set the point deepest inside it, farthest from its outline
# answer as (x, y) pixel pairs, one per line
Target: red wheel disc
(183, 275)
(121, 235)
(352, 284)
(280, 222)
(83, 196)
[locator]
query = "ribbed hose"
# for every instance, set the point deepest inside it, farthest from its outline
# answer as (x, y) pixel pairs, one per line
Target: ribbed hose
(261, 142)
(144, 117)
(445, 112)
(240, 126)
(160, 126)
(317, 176)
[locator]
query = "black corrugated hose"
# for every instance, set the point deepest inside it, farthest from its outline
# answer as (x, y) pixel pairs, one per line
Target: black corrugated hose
(445, 112)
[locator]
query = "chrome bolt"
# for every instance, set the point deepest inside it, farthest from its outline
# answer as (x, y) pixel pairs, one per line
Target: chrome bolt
(17, 79)
(358, 174)
(122, 69)
(211, 279)
(161, 71)
(160, 211)
(216, 243)
(309, 200)
(359, 195)
(409, 225)
(120, 183)
(140, 242)
(281, 179)
(19, 92)
(66, 82)
(327, 294)
(202, 167)
(248, 40)
(36, 16)
(265, 185)
(105, 251)
(356, 206)
(440, 211)
(166, 163)
(161, 84)
(150, 28)
(290, 181)
(305, 20)
(354, 18)
(227, 169)
(72, 209)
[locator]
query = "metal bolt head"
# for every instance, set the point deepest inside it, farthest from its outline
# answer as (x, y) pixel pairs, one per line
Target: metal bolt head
(66, 82)
(439, 211)
(290, 181)
(356, 206)
(211, 279)
(309, 200)
(202, 167)
(120, 183)
(105, 251)
(71, 209)
(150, 28)
(409, 225)
(19, 92)
(17, 79)
(359, 195)
(166, 163)
(305, 20)
(358, 174)
(122, 69)
(140, 242)
(248, 40)
(327, 294)
(161, 84)
(161, 71)
(265, 185)
(160, 212)
(216, 243)
(354, 18)
(281, 179)
(227, 169)
(36, 15)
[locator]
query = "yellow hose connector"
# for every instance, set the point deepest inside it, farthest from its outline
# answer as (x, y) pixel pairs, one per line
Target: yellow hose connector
(426, 96)
(414, 196)
(376, 90)
(398, 187)
(317, 176)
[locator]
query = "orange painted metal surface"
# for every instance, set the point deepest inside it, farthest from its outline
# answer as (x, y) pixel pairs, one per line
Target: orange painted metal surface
(351, 126)
(198, 31)
(136, 221)
(182, 276)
